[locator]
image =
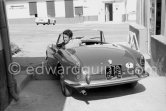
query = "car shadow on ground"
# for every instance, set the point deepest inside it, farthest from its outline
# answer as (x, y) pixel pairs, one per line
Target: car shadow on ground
(37, 97)
(34, 96)
(92, 94)
(108, 92)
(34, 66)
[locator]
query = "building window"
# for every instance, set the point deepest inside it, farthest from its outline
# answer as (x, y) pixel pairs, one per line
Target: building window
(33, 8)
(69, 9)
(79, 10)
(50, 9)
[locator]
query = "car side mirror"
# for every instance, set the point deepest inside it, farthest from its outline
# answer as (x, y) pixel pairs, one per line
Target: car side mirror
(60, 41)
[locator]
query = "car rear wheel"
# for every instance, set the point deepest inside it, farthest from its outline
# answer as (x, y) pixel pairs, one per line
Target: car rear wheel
(66, 90)
(59, 70)
(132, 85)
(51, 68)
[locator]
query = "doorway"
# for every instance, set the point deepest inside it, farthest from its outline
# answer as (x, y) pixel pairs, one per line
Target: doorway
(50, 9)
(69, 11)
(108, 12)
(158, 17)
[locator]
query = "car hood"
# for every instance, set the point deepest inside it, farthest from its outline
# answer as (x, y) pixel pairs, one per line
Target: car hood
(97, 55)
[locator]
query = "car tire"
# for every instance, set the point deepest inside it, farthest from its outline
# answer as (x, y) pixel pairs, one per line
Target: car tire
(57, 71)
(132, 85)
(37, 24)
(66, 90)
(51, 65)
(48, 22)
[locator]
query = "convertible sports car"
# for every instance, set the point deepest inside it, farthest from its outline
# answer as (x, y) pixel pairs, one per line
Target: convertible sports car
(89, 62)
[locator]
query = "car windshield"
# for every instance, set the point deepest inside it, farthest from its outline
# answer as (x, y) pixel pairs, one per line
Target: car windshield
(82, 37)
(87, 35)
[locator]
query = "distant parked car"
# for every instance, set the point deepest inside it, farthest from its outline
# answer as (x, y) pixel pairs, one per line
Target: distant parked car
(45, 20)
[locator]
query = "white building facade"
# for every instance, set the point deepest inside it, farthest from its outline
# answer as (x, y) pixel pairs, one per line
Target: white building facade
(88, 10)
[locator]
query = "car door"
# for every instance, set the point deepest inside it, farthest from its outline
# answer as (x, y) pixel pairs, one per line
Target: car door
(53, 55)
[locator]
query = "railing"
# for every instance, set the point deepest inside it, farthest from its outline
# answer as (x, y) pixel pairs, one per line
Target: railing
(132, 41)
(138, 38)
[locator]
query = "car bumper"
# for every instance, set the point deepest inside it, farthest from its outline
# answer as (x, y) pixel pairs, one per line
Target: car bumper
(105, 83)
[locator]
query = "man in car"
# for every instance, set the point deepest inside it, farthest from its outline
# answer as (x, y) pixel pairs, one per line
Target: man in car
(66, 37)
(67, 41)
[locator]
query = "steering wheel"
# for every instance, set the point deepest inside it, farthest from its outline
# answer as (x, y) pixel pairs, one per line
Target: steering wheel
(94, 37)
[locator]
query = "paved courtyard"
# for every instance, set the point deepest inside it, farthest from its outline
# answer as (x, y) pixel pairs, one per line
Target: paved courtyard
(34, 39)
(45, 95)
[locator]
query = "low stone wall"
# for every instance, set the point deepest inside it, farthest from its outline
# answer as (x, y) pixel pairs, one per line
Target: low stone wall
(158, 53)
(141, 34)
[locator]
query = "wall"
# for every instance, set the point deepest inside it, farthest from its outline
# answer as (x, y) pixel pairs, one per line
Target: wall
(141, 35)
(158, 45)
(118, 11)
(131, 9)
(42, 9)
(89, 9)
(95, 12)
(90, 12)
(158, 53)
(146, 16)
(4, 92)
(163, 21)
(101, 14)
(18, 10)
(50, 9)
(59, 8)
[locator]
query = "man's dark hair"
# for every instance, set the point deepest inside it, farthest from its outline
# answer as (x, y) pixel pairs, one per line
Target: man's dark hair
(68, 33)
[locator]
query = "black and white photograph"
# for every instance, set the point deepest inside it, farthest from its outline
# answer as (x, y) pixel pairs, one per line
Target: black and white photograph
(82, 55)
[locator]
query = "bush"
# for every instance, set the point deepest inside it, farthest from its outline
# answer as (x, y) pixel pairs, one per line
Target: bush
(14, 48)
